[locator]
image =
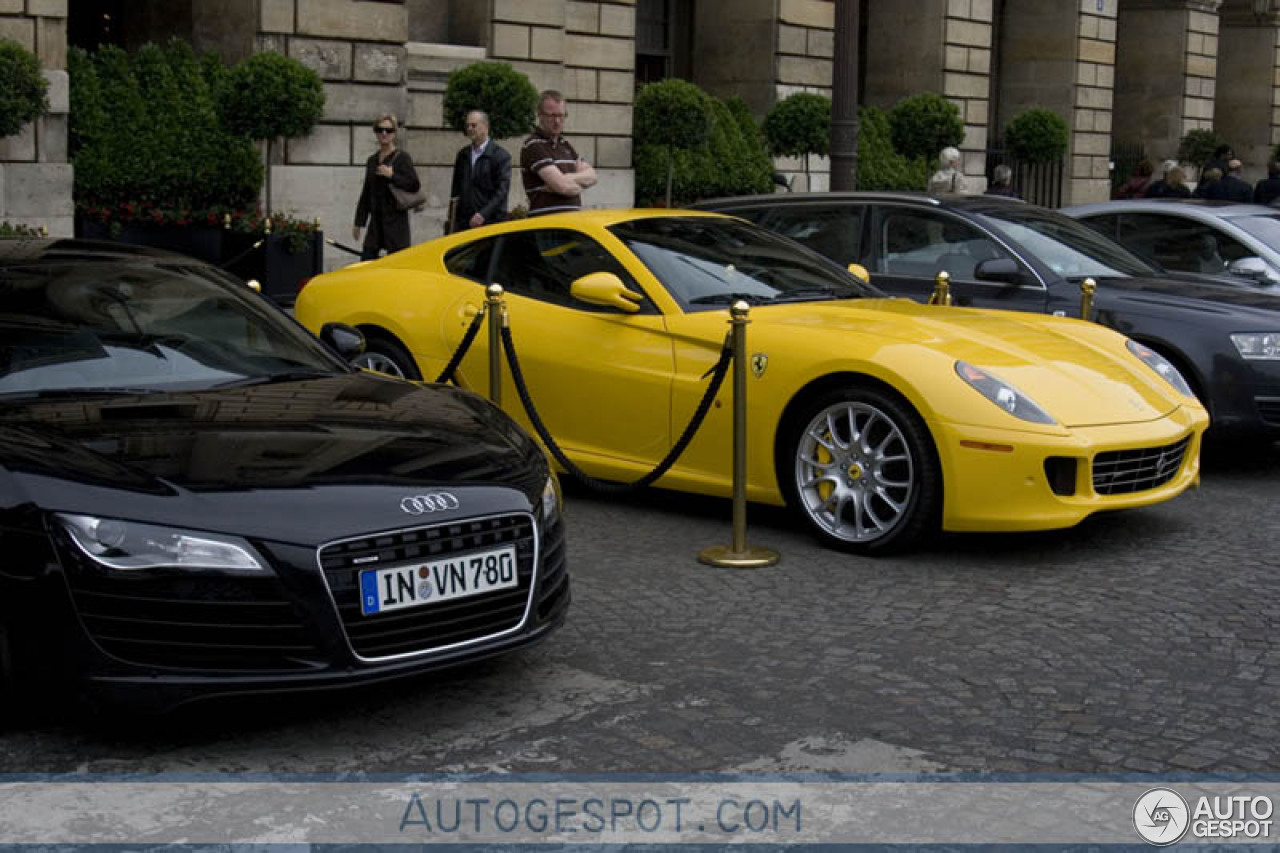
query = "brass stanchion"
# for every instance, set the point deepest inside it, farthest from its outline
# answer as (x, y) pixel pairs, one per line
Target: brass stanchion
(941, 289)
(1087, 289)
(738, 555)
(497, 316)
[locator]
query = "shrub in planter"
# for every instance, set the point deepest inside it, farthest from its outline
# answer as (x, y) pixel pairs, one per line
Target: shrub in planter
(1037, 136)
(267, 97)
(756, 168)
(799, 125)
(672, 114)
(499, 90)
(922, 125)
(1197, 146)
(880, 167)
(23, 89)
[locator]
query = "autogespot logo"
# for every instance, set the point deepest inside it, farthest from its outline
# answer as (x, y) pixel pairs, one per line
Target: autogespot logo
(1161, 817)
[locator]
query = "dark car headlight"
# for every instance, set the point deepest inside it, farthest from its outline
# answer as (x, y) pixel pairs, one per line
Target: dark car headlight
(1160, 365)
(1257, 346)
(551, 503)
(1003, 394)
(129, 545)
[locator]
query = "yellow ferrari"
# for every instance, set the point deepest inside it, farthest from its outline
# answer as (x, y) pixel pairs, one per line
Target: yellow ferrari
(877, 420)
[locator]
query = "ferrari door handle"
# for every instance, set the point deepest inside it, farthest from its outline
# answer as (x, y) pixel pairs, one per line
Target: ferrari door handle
(469, 312)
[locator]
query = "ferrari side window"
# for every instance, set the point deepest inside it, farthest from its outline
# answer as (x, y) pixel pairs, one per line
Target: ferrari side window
(543, 265)
(472, 260)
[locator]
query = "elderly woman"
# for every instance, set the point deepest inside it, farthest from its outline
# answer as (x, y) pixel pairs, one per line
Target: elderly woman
(948, 178)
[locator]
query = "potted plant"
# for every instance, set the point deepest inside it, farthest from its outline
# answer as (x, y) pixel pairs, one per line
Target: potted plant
(799, 125)
(23, 89)
(672, 114)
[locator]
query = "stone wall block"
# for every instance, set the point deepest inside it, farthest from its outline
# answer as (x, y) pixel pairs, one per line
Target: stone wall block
(958, 8)
(21, 147)
(51, 42)
(51, 136)
(1084, 190)
(546, 44)
(976, 112)
(511, 41)
(361, 20)
(617, 87)
(584, 145)
(582, 17)
(362, 103)
(543, 12)
(819, 14)
(979, 60)
(330, 59)
(611, 119)
(617, 188)
(276, 16)
(964, 85)
(580, 84)
(426, 109)
(600, 52)
(433, 147)
(12, 7)
(47, 8)
(543, 75)
(379, 63)
(613, 153)
(969, 33)
(618, 21)
(803, 71)
(981, 10)
(38, 190)
(1202, 66)
(1097, 144)
(793, 40)
(956, 58)
(327, 144)
(1089, 26)
(59, 91)
(21, 30)
(975, 137)
(1103, 52)
(821, 43)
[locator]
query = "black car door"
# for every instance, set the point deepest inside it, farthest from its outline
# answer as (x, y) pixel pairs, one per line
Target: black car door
(908, 246)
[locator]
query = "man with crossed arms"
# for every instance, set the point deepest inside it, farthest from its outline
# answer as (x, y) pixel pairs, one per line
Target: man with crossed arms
(553, 173)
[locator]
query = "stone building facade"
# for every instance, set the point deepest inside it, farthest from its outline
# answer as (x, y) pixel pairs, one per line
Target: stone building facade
(1131, 72)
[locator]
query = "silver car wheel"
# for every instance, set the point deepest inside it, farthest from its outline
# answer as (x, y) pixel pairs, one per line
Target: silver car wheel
(379, 362)
(855, 472)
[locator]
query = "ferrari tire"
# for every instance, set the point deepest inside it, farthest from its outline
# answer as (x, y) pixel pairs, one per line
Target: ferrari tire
(859, 467)
(385, 354)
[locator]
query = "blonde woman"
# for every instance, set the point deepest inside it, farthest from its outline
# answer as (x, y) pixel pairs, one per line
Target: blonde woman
(389, 165)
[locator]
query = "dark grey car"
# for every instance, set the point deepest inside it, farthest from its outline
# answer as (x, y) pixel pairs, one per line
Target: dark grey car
(1001, 253)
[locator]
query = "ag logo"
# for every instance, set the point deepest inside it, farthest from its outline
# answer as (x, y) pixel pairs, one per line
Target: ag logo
(759, 363)
(1161, 817)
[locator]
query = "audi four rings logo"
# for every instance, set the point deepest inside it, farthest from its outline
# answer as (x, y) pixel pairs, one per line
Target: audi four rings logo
(423, 504)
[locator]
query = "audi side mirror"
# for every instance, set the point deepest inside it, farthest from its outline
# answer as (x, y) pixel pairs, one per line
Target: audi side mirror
(1004, 270)
(1253, 268)
(605, 288)
(346, 341)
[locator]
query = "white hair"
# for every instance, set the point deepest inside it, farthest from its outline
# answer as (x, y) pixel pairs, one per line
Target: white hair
(948, 156)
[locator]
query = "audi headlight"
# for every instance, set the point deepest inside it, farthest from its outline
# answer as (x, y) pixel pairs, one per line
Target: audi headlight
(1160, 365)
(128, 545)
(550, 498)
(1003, 394)
(1257, 346)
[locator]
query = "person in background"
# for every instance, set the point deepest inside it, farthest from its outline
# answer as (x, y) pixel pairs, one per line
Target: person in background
(1268, 189)
(1176, 184)
(1222, 156)
(1208, 179)
(1136, 186)
(481, 178)
(1002, 182)
(554, 175)
(948, 178)
(1157, 189)
(388, 225)
(1231, 187)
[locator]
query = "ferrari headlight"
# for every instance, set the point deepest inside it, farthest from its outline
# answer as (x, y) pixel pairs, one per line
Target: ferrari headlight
(1161, 365)
(1257, 346)
(128, 545)
(1003, 394)
(550, 498)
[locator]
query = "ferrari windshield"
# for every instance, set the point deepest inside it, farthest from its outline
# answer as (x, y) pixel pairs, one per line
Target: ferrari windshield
(707, 263)
(1069, 248)
(110, 326)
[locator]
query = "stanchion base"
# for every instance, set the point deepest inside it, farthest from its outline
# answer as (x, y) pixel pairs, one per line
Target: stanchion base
(724, 557)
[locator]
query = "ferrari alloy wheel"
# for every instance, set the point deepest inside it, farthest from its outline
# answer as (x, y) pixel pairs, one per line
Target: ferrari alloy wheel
(863, 472)
(387, 355)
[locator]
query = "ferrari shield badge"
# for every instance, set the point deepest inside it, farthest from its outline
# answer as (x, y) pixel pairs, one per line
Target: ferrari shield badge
(759, 364)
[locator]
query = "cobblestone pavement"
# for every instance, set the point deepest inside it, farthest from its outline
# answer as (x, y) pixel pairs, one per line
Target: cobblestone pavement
(1140, 641)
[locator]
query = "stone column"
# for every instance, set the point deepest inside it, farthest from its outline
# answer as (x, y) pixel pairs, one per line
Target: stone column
(35, 177)
(1166, 72)
(1247, 107)
(802, 63)
(1061, 57)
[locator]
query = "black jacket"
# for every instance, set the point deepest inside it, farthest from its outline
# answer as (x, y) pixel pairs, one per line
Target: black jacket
(1229, 188)
(1266, 190)
(388, 226)
(481, 188)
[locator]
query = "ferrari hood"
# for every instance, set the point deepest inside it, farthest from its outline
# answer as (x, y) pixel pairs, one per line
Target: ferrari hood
(1080, 374)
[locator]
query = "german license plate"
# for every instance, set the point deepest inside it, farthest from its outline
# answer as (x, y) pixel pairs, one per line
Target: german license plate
(399, 587)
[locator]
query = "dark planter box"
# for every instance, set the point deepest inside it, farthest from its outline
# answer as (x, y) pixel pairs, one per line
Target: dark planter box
(271, 264)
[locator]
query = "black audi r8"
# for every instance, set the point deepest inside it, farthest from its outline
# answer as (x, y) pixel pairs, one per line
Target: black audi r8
(199, 498)
(1002, 253)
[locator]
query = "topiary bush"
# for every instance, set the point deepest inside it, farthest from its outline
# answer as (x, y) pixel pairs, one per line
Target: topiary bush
(145, 133)
(24, 93)
(799, 125)
(756, 166)
(1197, 146)
(499, 90)
(672, 114)
(880, 167)
(922, 125)
(1037, 136)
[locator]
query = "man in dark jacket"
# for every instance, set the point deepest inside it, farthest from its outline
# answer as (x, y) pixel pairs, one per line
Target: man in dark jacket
(481, 178)
(1268, 189)
(1231, 187)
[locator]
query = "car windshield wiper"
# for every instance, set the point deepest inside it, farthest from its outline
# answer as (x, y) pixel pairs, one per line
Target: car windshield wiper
(813, 294)
(281, 376)
(729, 299)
